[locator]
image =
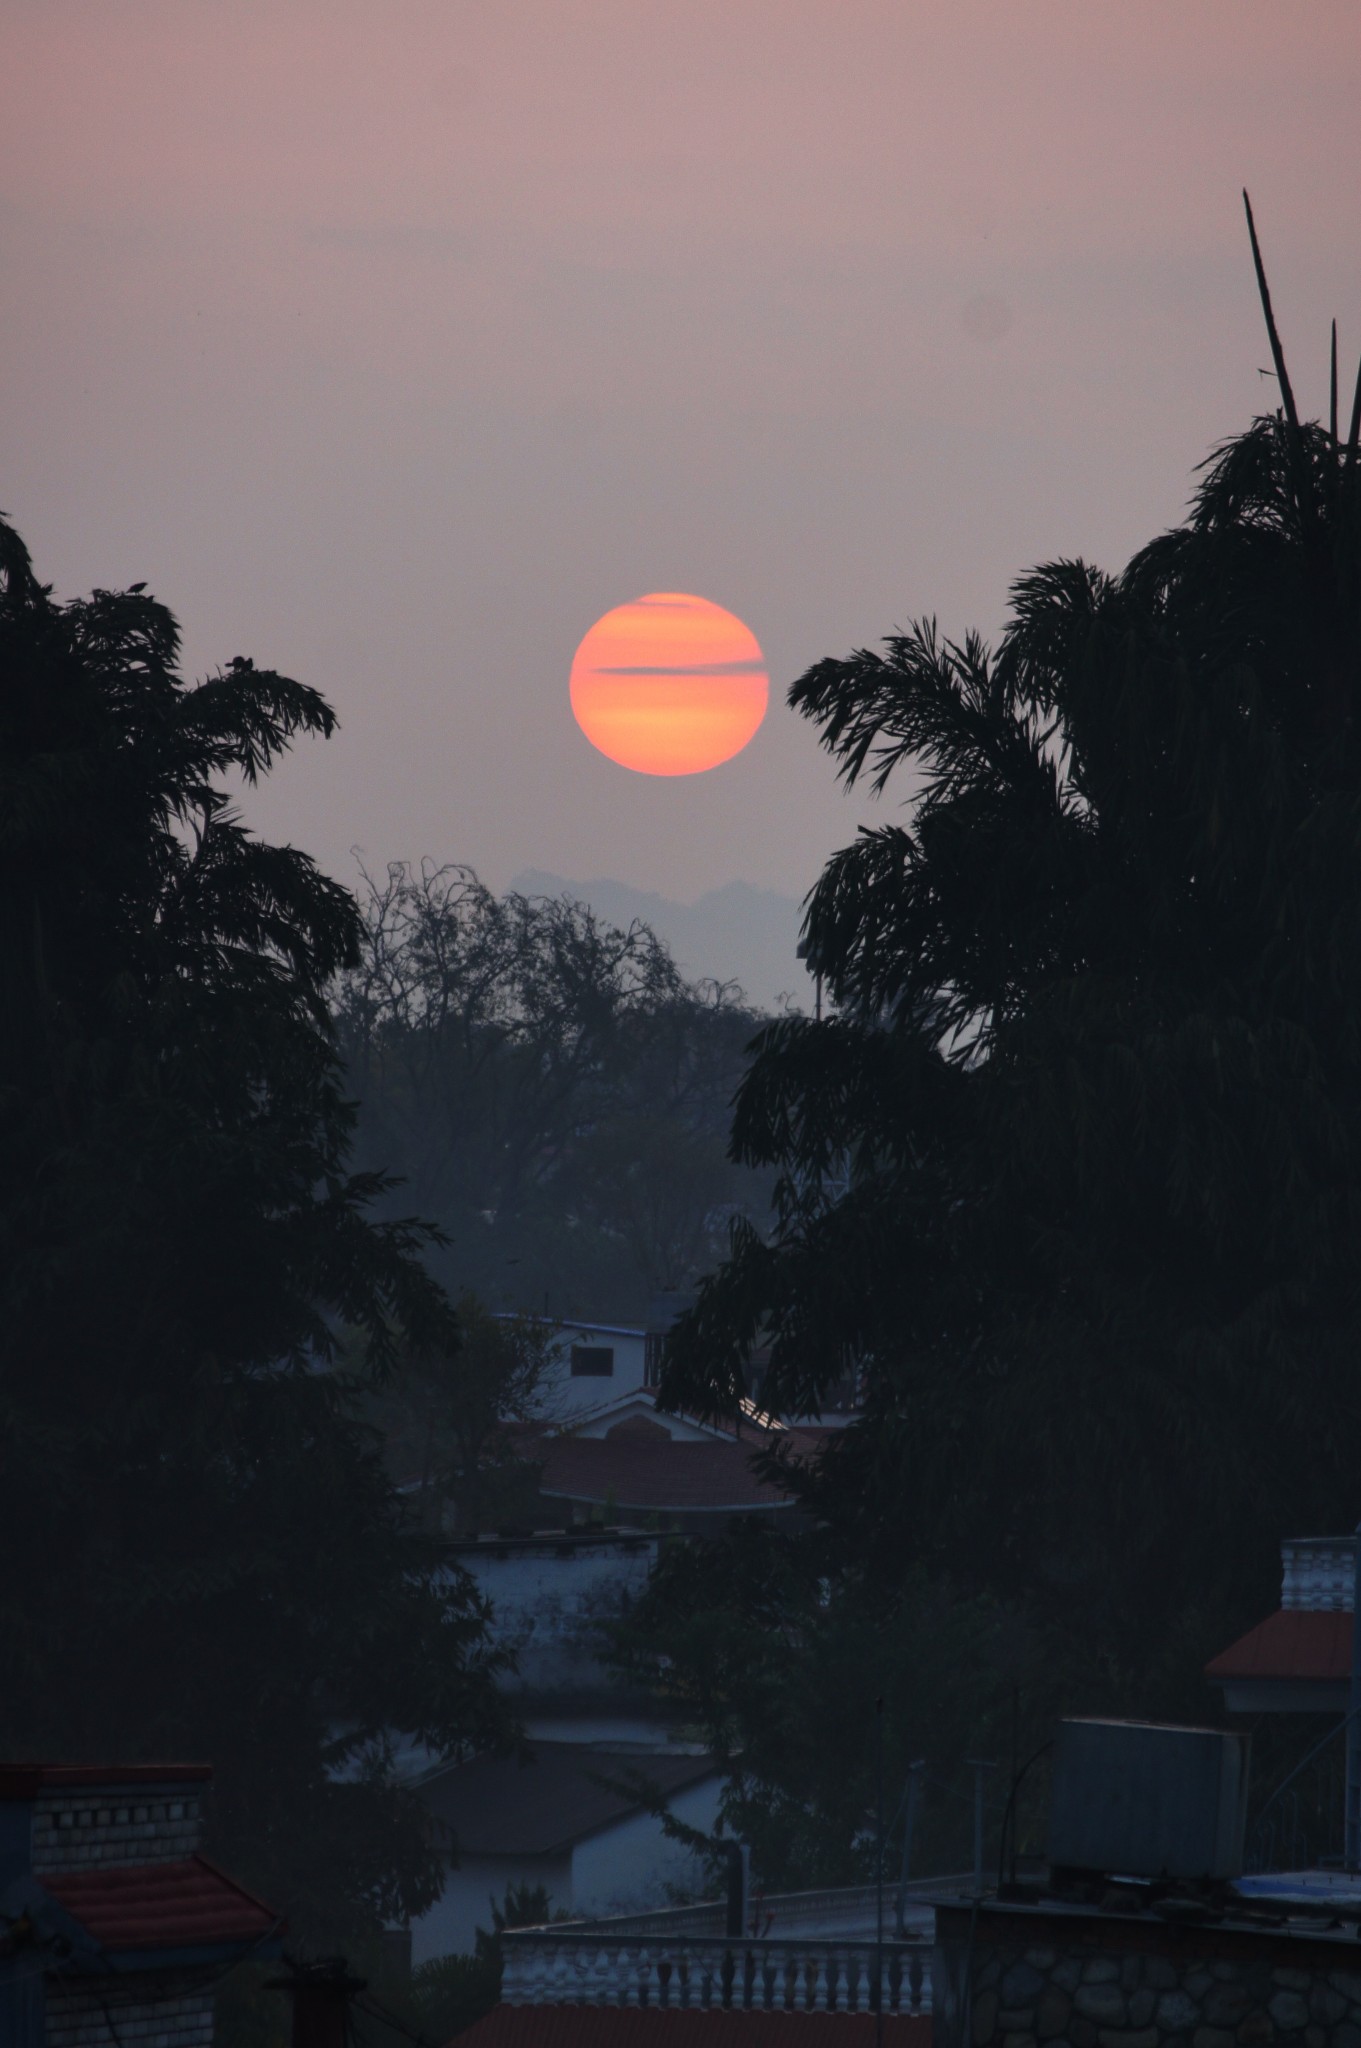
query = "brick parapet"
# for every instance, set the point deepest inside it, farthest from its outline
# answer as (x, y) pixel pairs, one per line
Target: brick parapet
(105, 1828)
(138, 2013)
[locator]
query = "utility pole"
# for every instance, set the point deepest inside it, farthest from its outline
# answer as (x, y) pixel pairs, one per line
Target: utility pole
(980, 1772)
(1011, 1801)
(879, 1873)
(1352, 1812)
(914, 1779)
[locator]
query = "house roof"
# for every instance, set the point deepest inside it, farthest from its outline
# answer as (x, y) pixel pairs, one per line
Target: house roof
(633, 1401)
(556, 1541)
(185, 1905)
(565, 1327)
(501, 1806)
(1295, 1642)
(26, 1781)
(568, 1329)
(655, 1476)
(596, 2026)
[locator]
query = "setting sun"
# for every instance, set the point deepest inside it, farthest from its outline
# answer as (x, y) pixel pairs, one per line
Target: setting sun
(669, 685)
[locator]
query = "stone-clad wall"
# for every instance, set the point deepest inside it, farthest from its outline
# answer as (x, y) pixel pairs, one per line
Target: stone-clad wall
(104, 1827)
(1026, 1997)
(1239, 1992)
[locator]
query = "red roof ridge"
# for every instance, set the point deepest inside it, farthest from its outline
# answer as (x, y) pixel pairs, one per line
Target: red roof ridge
(23, 1780)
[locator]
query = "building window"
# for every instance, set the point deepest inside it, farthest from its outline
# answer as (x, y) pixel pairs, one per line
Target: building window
(652, 1357)
(592, 1362)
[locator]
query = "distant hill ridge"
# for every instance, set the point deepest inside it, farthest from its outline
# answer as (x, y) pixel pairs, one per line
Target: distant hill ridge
(736, 933)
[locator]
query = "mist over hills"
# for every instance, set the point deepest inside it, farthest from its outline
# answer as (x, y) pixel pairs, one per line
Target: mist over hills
(736, 933)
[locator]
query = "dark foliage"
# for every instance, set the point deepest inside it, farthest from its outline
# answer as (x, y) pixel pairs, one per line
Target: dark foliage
(779, 1667)
(448, 1420)
(1073, 1173)
(451, 1995)
(204, 1555)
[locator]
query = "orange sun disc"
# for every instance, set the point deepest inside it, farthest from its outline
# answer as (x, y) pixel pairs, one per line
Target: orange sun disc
(670, 684)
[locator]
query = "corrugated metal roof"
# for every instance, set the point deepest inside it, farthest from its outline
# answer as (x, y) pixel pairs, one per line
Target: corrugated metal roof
(595, 2026)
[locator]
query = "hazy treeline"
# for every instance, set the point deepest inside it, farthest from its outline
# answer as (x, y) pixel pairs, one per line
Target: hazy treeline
(550, 1089)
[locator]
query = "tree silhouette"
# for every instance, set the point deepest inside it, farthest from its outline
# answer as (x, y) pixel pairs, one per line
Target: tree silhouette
(1073, 1172)
(204, 1555)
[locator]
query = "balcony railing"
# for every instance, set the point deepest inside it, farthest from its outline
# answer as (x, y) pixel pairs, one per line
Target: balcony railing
(796, 1974)
(1318, 1573)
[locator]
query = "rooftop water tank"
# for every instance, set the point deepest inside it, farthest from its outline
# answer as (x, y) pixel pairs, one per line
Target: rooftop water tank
(1135, 1799)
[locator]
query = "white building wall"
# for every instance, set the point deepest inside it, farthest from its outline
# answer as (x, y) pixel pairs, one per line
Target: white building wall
(547, 1597)
(567, 1398)
(450, 1926)
(635, 1867)
(639, 1731)
(631, 1867)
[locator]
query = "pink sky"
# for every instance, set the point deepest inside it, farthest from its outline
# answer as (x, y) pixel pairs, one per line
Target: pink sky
(394, 343)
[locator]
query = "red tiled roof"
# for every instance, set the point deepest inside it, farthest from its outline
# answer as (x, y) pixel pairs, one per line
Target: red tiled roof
(595, 2026)
(25, 1781)
(665, 1477)
(160, 1905)
(1292, 1643)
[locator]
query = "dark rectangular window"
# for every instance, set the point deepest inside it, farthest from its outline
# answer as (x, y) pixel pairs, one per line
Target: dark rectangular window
(592, 1362)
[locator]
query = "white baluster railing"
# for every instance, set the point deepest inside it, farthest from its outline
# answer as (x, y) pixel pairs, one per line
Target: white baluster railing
(549, 1967)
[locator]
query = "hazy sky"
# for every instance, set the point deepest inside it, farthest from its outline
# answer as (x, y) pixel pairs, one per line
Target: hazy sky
(392, 343)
